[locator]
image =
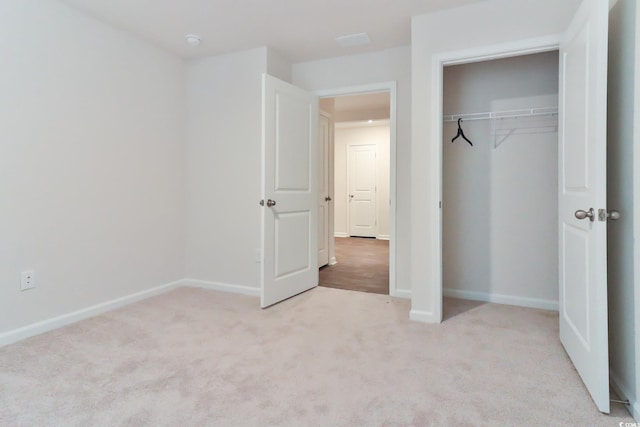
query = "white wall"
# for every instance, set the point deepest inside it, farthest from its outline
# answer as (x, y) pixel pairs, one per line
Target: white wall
(636, 205)
(277, 65)
(354, 70)
(91, 162)
(358, 134)
(500, 202)
(224, 167)
(622, 123)
(474, 26)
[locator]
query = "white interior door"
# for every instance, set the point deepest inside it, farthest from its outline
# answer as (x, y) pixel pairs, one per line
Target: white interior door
(324, 198)
(289, 214)
(362, 190)
(582, 180)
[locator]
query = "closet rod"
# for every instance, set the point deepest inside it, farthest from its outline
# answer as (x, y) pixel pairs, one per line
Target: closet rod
(509, 114)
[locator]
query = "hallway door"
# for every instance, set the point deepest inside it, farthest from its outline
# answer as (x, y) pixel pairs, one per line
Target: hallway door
(362, 201)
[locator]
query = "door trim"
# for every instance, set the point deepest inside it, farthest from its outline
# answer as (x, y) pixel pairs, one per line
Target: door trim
(438, 62)
(389, 86)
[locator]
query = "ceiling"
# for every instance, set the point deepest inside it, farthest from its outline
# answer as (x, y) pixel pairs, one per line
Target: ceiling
(372, 101)
(300, 30)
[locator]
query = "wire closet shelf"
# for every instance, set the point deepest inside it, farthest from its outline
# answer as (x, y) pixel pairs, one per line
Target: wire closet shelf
(508, 114)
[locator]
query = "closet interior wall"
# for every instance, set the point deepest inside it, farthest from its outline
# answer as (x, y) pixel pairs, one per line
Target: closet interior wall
(500, 195)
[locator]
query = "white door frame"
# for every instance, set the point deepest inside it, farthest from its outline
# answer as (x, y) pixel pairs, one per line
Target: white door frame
(439, 61)
(390, 87)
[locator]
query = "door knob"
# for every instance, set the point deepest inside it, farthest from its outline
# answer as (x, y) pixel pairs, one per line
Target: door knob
(351, 196)
(591, 214)
(605, 215)
(327, 199)
(271, 203)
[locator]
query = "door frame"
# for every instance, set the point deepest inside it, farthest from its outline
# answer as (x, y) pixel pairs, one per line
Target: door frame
(438, 62)
(389, 86)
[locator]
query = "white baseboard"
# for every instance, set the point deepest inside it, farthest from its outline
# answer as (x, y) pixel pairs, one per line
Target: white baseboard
(224, 287)
(423, 316)
(66, 319)
(402, 293)
(340, 234)
(501, 299)
(333, 261)
(383, 237)
(622, 391)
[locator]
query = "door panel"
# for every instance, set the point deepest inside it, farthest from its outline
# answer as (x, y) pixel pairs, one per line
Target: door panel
(362, 190)
(292, 240)
(583, 273)
(575, 267)
(289, 213)
(292, 157)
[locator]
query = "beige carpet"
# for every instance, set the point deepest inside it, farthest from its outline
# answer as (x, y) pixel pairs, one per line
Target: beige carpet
(325, 358)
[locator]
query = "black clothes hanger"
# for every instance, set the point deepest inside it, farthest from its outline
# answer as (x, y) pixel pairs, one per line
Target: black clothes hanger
(461, 134)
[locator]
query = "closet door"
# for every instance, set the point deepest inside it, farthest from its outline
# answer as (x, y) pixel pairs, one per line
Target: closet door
(582, 195)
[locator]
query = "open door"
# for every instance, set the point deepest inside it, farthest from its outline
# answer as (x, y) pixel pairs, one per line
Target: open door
(324, 199)
(582, 195)
(289, 172)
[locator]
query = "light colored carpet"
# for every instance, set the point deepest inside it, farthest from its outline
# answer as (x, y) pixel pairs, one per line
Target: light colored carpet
(328, 357)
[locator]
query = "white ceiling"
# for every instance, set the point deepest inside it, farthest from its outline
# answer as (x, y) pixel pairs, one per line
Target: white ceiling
(300, 30)
(372, 101)
(372, 106)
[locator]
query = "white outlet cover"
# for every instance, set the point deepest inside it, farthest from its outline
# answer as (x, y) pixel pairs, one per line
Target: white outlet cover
(27, 280)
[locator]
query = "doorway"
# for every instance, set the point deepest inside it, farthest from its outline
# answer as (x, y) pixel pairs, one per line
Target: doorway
(582, 210)
(500, 181)
(362, 189)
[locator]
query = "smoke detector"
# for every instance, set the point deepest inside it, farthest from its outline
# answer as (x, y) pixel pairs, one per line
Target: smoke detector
(193, 40)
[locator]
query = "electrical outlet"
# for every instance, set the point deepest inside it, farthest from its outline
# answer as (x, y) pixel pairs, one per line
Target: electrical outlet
(28, 280)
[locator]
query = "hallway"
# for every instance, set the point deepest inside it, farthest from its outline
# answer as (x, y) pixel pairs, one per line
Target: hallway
(363, 265)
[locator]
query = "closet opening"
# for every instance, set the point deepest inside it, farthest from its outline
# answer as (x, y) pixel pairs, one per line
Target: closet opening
(500, 183)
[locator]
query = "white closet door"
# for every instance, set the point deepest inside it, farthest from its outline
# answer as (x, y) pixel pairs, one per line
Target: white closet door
(582, 181)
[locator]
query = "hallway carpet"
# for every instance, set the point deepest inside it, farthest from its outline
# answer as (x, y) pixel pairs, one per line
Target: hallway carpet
(193, 357)
(363, 265)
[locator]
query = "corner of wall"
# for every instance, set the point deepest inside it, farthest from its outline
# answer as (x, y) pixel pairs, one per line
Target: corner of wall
(278, 66)
(224, 167)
